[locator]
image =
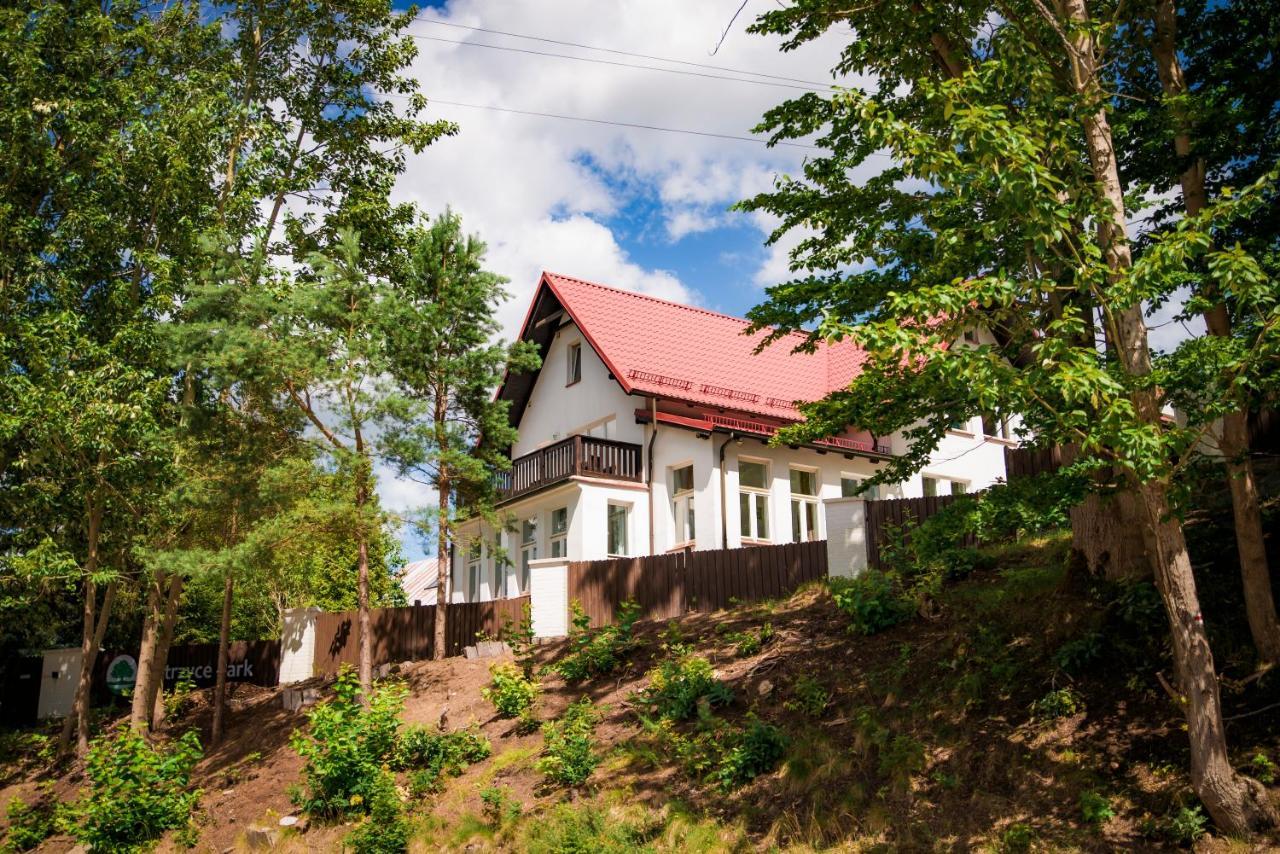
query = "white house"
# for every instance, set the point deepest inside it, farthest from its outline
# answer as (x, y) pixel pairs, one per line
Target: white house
(646, 431)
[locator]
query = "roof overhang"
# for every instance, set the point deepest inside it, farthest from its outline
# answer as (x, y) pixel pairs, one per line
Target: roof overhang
(709, 423)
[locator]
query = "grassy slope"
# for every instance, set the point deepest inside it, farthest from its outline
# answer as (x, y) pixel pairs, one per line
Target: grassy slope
(928, 740)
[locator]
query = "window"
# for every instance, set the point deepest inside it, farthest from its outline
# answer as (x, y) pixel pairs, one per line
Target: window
(959, 487)
(618, 522)
(930, 485)
(851, 487)
(804, 505)
(959, 423)
(499, 567)
(559, 532)
(575, 364)
(935, 486)
(994, 425)
(528, 552)
(473, 570)
(682, 511)
(606, 429)
(753, 499)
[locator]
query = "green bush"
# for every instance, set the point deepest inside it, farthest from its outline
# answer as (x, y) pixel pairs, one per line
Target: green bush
(1096, 808)
(808, 697)
(582, 828)
(345, 746)
(680, 684)
(596, 652)
(385, 830)
(499, 808)
(178, 701)
(1079, 654)
(748, 644)
(568, 756)
(1059, 703)
(511, 692)
(432, 754)
(1262, 768)
(1017, 838)
(873, 601)
(136, 791)
(754, 751)
(31, 824)
(519, 636)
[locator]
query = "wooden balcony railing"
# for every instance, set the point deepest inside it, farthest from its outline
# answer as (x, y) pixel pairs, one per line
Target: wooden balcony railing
(584, 456)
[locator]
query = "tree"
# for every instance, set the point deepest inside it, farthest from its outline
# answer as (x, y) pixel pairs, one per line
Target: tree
(442, 338)
(1004, 208)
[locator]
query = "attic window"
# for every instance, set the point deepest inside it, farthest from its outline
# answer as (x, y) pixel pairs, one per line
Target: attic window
(575, 364)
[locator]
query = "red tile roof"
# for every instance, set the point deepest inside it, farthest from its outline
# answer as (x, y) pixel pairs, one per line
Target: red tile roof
(654, 346)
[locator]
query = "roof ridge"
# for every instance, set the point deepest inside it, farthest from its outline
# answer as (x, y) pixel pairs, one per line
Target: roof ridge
(650, 298)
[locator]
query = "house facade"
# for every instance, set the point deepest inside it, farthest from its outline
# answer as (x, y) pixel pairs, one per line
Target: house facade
(646, 431)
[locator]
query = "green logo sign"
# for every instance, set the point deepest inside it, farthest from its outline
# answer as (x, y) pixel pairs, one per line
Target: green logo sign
(122, 672)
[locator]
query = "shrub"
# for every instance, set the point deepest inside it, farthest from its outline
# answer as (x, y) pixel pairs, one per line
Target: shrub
(1059, 703)
(596, 652)
(31, 824)
(748, 644)
(519, 636)
(1186, 825)
(1261, 767)
(385, 830)
(583, 828)
(680, 684)
(345, 747)
(432, 754)
(136, 791)
(755, 751)
(499, 808)
(872, 601)
(1017, 838)
(568, 757)
(1096, 808)
(511, 692)
(178, 701)
(1078, 655)
(808, 697)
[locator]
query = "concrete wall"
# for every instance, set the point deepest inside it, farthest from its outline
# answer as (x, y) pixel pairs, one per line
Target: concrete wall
(846, 536)
(556, 410)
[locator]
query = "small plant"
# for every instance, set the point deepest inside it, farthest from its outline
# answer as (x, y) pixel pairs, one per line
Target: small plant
(681, 684)
(1186, 825)
(1096, 808)
(568, 756)
(499, 808)
(385, 830)
(136, 791)
(596, 652)
(1017, 838)
(1078, 655)
(758, 750)
(1059, 703)
(519, 636)
(808, 697)
(179, 700)
(901, 757)
(345, 747)
(748, 644)
(1262, 768)
(511, 691)
(31, 824)
(431, 755)
(872, 601)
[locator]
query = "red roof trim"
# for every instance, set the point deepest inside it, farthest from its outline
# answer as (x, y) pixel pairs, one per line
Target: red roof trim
(550, 283)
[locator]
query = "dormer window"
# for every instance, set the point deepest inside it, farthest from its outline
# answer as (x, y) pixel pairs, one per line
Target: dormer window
(574, 373)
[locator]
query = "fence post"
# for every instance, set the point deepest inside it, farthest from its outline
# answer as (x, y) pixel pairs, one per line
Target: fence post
(298, 645)
(549, 597)
(846, 536)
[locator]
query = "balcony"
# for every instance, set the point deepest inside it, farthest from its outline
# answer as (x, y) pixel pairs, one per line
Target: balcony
(576, 456)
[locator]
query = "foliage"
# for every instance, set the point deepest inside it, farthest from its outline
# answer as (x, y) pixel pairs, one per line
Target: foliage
(1079, 654)
(136, 791)
(568, 756)
(345, 746)
(511, 692)
(1058, 703)
(519, 637)
(756, 750)
(583, 828)
(718, 752)
(747, 644)
(1096, 808)
(1262, 768)
(683, 685)
(31, 824)
(177, 701)
(873, 601)
(809, 697)
(1186, 825)
(500, 809)
(385, 830)
(597, 652)
(432, 754)
(1017, 838)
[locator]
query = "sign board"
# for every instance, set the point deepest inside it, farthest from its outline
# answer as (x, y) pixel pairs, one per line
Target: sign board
(122, 672)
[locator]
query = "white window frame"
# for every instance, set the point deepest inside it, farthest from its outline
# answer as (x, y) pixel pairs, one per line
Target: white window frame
(626, 528)
(800, 505)
(499, 590)
(528, 552)
(683, 509)
(862, 491)
(963, 484)
(573, 364)
(925, 480)
(755, 495)
(475, 557)
(558, 541)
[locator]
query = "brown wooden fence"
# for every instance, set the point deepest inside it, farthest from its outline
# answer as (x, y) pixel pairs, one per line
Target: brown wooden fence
(901, 513)
(1029, 462)
(669, 585)
(408, 634)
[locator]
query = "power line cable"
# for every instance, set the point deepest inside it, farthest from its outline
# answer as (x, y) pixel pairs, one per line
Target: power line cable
(632, 54)
(613, 62)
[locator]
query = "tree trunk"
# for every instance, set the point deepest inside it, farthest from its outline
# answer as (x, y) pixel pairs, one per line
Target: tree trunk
(156, 687)
(363, 491)
(444, 571)
(1255, 574)
(92, 631)
(224, 643)
(1237, 804)
(139, 711)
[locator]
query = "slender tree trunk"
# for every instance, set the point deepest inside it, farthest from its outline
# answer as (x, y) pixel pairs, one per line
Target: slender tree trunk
(156, 686)
(1237, 804)
(363, 491)
(139, 713)
(444, 570)
(92, 630)
(224, 644)
(1259, 600)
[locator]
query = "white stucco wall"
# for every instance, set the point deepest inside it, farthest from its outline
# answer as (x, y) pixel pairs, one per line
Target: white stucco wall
(963, 455)
(556, 410)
